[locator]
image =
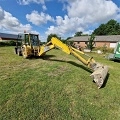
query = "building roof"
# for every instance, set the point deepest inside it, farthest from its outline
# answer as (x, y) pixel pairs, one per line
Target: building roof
(105, 38)
(8, 36)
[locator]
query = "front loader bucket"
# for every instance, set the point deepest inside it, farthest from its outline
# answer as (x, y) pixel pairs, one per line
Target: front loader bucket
(99, 75)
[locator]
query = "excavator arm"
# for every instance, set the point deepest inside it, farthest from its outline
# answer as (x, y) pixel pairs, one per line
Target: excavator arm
(99, 71)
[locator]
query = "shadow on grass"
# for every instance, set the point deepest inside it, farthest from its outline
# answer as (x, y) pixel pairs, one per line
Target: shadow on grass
(105, 81)
(44, 57)
(73, 63)
(117, 61)
(47, 57)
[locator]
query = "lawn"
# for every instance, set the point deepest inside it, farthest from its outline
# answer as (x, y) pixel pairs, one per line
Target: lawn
(56, 87)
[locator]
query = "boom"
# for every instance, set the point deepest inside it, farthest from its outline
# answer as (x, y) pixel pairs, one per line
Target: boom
(99, 71)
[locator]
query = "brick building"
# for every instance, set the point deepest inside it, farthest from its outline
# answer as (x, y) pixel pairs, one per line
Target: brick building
(108, 40)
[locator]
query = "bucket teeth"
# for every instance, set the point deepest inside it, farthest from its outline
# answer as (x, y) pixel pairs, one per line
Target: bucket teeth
(99, 75)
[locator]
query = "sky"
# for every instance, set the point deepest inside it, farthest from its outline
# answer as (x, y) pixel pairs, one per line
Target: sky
(61, 17)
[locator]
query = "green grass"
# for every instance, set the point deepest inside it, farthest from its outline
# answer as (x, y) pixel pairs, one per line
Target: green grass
(57, 87)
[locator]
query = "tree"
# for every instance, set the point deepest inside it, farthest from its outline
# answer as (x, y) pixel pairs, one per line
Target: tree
(68, 38)
(52, 35)
(112, 27)
(100, 30)
(69, 42)
(90, 43)
(78, 34)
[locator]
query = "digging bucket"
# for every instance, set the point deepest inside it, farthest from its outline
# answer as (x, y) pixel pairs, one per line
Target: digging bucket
(99, 75)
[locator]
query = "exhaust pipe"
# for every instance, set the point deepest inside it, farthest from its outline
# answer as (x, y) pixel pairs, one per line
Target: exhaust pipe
(99, 75)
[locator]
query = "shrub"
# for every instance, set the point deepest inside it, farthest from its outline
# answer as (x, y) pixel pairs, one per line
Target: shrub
(104, 49)
(10, 43)
(2, 44)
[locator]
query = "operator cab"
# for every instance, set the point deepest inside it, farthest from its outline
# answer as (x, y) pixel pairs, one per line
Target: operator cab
(29, 39)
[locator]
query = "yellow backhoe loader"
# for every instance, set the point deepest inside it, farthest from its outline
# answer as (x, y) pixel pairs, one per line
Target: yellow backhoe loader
(30, 46)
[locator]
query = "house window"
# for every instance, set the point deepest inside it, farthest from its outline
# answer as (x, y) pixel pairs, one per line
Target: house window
(86, 42)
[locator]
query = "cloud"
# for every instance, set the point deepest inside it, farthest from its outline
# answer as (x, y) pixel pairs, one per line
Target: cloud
(83, 15)
(39, 18)
(26, 2)
(12, 24)
(2, 14)
(44, 7)
(95, 11)
(66, 25)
